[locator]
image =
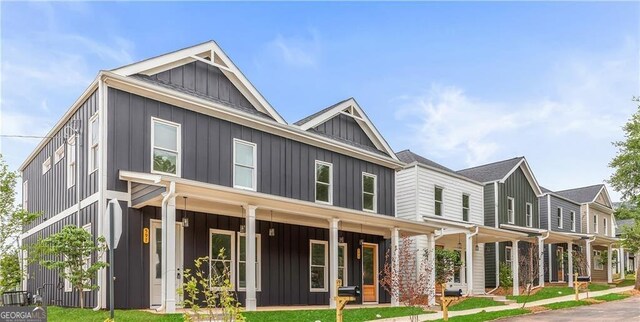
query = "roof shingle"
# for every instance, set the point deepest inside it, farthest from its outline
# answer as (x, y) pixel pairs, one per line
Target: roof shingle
(407, 156)
(582, 194)
(492, 171)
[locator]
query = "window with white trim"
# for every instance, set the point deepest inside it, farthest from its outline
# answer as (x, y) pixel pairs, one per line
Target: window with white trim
(595, 224)
(369, 192)
(510, 210)
(597, 260)
(165, 147)
(46, 165)
(342, 263)
(244, 165)
(573, 221)
(59, 154)
(242, 261)
(222, 253)
(529, 214)
(559, 218)
(87, 261)
(465, 207)
(318, 265)
(71, 161)
(438, 193)
(604, 226)
(507, 255)
(94, 127)
(324, 180)
(25, 195)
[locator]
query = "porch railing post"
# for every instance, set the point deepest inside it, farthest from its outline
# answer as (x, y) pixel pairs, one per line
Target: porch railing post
(395, 246)
(609, 268)
(333, 261)
(570, 255)
(515, 265)
(588, 253)
(250, 241)
(432, 269)
(541, 261)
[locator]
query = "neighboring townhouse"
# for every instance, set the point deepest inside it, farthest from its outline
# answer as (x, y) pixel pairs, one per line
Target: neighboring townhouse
(598, 222)
(200, 161)
(429, 192)
(511, 206)
(628, 261)
(560, 216)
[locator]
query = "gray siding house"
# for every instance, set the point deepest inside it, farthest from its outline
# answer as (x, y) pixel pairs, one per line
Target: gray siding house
(199, 160)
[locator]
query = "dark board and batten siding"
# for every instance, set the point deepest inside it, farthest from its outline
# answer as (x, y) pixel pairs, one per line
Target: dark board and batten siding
(518, 187)
(54, 294)
(48, 193)
(567, 208)
(284, 257)
(489, 205)
(285, 167)
(345, 127)
(490, 265)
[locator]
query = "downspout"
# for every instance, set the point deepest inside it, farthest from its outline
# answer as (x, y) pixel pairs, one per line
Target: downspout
(102, 123)
(541, 258)
(497, 244)
(168, 195)
(78, 131)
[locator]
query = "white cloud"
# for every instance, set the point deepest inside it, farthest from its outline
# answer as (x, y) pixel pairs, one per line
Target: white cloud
(299, 51)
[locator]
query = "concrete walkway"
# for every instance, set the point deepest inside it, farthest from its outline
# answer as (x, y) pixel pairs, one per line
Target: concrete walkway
(438, 315)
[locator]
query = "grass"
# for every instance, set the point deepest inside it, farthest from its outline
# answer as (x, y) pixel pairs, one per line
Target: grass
(56, 313)
(627, 282)
(565, 305)
(488, 316)
(327, 315)
(474, 303)
(598, 287)
(611, 297)
(544, 293)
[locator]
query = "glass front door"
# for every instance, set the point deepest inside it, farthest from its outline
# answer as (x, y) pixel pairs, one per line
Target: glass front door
(369, 273)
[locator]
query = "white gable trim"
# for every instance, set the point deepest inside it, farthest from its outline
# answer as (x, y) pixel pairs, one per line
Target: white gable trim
(359, 116)
(606, 193)
(218, 59)
(528, 174)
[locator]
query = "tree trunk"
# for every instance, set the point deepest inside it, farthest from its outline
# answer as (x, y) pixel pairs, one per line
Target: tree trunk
(80, 292)
(637, 287)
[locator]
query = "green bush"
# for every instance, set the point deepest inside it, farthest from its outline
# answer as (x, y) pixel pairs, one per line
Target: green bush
(505, 276)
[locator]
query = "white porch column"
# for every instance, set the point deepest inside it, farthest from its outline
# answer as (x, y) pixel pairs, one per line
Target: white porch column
(469, 263)
(570, 250)
(432, 269)
(250, 241)
(169, 259)
(333, 260)
(541, 261)
(550, 265)
(609, 268)
(515, 267)
(620, 264)
(588, 253)
(395, 245)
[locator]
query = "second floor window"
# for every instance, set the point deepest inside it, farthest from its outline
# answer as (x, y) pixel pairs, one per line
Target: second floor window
(25, 195)
(573, 221)
(559, 217)
(244, 165)
(604, 226)
(59, 154)
(93, 143)
(71, 161)
(368, 192)
(165, 147)
(46, 165)
(324, 176)
(595, 224)
(438, 201)
(465, 207)
(529, 212)
(510, 210)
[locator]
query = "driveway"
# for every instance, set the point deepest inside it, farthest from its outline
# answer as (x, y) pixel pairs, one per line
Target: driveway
(624, 310)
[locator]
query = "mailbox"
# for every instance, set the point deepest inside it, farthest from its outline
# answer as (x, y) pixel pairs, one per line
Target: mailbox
(584, 278)
(452, 293)
(349, 291)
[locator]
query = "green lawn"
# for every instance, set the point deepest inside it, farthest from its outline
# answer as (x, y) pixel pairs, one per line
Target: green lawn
(474, 303)
(627, 282)
(55, 313)
(598, 287)
(611, 297)
(487, 316)
(545, 293)
(565, 305)
(327, 315)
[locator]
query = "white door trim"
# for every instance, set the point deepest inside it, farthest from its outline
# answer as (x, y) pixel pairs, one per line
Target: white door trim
(179, 264)
(377, 271)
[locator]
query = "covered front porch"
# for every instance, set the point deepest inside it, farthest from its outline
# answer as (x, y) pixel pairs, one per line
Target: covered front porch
(281, 251)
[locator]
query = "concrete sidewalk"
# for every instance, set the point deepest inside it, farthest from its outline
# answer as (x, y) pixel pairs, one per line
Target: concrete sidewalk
(438, 315)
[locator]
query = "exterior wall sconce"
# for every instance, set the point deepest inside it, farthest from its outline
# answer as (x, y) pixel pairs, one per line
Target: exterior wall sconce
(185, 220)
(272, 231)
(243, 228)
(341, 239)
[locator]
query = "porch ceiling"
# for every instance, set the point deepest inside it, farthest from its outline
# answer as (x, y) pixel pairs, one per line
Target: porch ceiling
(488, 234)
(556, 237)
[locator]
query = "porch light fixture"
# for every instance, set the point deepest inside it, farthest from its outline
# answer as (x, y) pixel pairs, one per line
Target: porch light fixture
(272, 231)
(459, 243)
(185, 219)
(243, 228)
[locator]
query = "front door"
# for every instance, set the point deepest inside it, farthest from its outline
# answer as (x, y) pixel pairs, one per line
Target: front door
(560, 257)
(369, 273)
(156, 261)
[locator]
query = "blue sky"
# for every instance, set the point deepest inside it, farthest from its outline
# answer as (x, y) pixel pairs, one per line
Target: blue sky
(461, 83)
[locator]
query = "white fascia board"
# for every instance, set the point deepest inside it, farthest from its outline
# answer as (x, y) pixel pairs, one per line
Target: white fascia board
(560, 197)
(523, 229)
(210, 108)
(528, 174)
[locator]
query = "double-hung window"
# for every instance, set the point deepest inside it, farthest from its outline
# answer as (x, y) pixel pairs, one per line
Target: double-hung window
(25, 195)
(529, 214)
(465, 207)
(324, 180)
(438, 198)
(604, 227)
(71, 161)
(342, 263)
(559, 218)
(242, 261)
(318, 265)
(510, 210)
(597, 260)
(94, 127)
(507, 255)
(221, 253)
(46, 165)
(369, 198)
(165, 147)
(244, 165)
(595, 224)
(573, 221)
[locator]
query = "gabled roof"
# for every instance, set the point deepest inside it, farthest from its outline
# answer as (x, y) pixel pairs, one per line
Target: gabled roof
(350, 108)
(210, 53)
(501, 170)
(546, 191)
(583, 194)
(407, 156)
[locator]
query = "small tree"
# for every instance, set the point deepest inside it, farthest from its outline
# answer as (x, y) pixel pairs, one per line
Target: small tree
(210, 287)
(448, 263)
(631, 242)
(10, 274)
(69, 252)
(528, 270)
(505, 276)
(409, 280)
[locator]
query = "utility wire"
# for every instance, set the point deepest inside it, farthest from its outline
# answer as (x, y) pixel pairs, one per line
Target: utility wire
(25, 136)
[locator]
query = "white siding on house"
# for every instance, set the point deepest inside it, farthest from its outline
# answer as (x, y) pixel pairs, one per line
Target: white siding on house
(478, 270)
(406, 194)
